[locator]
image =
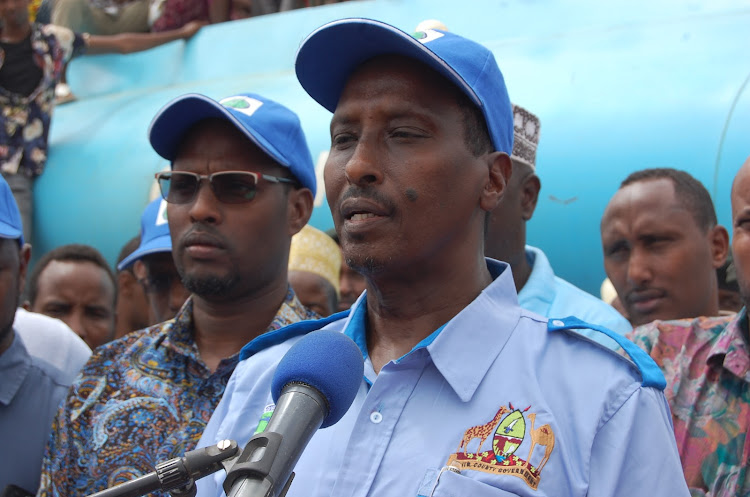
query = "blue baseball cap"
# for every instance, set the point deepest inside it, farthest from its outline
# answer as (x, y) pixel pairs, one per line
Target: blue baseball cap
(268, 124)
(154, 233)
(11, 226)
(329, 55)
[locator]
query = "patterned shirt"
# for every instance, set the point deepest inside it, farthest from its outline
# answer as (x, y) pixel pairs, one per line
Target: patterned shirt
(707, 367)
(139, 401)
(24, 123)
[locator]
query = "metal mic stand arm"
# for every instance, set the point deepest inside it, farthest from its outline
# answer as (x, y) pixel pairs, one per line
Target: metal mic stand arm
(177, 475)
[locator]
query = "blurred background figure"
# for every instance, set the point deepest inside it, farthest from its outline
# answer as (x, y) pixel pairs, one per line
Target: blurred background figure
(662, 246)
(75, 284)
(30, 387)
(730, 299)
(539, 289)
(314, 266)
(133, 310)
(153, 266)
(351, 283)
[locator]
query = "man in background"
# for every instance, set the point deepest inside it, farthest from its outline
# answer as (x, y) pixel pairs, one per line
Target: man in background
(74, 284)
(133, 312)
(153, 266)
(706, 361)
(32, 61)
(539, 289)
(30, 387)
(314, 263)
(662, 245)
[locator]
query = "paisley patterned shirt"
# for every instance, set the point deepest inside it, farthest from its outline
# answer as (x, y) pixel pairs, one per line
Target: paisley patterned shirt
(25, 120)
(707, 367)
(139, 401)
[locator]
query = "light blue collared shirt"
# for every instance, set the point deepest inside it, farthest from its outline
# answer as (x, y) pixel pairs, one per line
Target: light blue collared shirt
(495, 375)
(553, 297)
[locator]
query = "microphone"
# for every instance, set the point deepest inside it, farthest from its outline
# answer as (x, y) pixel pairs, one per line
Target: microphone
(314, 385)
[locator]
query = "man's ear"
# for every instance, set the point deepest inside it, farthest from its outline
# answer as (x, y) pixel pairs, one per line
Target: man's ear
(24, 256)
(300, 206)
(499, 170)
(719, 240)
(529, 195)
(125, 282)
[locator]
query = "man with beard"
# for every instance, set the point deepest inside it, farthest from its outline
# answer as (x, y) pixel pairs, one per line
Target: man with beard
(464, 392)
(706, 362)
(242, 184)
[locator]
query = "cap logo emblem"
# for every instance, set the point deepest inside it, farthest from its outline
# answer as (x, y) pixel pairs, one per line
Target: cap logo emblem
(243, 104)
(161, 216)
(427, 35)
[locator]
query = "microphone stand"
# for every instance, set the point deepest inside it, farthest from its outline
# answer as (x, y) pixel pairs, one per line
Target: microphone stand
(177, 476)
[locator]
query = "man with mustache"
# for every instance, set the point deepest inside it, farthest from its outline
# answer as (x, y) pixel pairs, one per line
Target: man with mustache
(662, 246)
(706, 362)
(241, 185)
(464, 392)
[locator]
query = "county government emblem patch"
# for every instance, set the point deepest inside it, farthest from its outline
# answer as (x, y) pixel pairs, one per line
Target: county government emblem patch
(508, 429)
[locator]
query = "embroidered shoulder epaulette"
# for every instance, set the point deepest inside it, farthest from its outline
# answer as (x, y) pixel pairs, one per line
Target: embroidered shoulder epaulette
(651, 375)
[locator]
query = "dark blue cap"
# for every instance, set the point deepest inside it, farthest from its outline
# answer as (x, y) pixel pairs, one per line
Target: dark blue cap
(329, 55)
(268, 124)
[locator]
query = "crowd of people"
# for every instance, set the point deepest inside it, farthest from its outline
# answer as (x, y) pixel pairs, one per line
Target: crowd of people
(484, 372)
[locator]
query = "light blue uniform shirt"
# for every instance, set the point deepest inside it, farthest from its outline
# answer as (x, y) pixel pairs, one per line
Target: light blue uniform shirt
(553, 297)
(495, 374)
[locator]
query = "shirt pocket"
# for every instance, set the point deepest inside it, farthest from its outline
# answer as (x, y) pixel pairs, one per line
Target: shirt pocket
(450, 484)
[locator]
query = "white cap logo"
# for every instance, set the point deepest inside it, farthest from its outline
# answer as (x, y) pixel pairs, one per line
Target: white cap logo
(161, 216)
(243, 104)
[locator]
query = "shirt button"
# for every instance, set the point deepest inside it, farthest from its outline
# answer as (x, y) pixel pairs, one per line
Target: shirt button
(557, 322)
(376, 417)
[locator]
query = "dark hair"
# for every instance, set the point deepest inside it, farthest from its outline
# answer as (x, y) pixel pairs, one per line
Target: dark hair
(128, 249)
(689, 192)
(73, 252)
(476, 133)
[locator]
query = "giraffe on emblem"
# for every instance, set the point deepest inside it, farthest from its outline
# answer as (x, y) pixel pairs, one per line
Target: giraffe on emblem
(482, 432)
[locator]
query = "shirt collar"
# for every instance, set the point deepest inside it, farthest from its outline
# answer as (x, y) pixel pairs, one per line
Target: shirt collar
(731, 348)
(541, 282)
(489, 320)
(14, 367)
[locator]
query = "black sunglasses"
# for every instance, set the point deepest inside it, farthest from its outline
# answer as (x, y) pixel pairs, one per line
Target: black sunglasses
(229, 187)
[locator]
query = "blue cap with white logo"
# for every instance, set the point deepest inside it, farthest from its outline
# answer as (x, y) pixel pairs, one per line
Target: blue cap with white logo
(154, 233)
(268, 124)
(329, 55)
(11, 226)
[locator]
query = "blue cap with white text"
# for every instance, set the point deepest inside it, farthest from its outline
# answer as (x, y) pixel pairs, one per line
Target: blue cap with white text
(154, 233)
(268, 124)
(11, 226)
(329, 55)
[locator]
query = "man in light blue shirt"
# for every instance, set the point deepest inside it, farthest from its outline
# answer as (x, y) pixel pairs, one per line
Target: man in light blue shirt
(539, 289)
(464, 392)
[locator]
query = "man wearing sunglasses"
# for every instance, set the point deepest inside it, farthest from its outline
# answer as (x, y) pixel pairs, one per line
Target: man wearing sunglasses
(241, 185)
